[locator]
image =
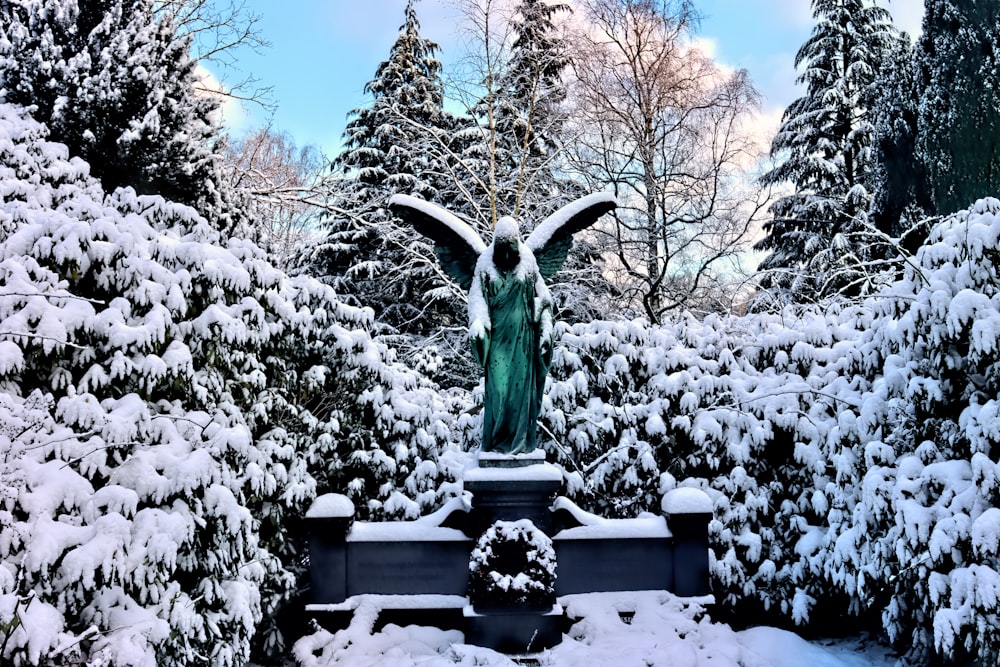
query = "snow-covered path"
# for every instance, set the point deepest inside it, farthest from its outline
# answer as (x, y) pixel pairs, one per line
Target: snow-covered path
(665, 631)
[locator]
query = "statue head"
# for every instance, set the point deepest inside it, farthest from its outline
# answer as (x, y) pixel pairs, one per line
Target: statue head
(505, 244)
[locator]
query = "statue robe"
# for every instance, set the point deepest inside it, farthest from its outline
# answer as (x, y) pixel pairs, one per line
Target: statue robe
(514, 346)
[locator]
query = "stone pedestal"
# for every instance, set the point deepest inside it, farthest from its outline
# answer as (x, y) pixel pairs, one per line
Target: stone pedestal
(328, 522)
(514, 631)
(688, 512)
(512, 493)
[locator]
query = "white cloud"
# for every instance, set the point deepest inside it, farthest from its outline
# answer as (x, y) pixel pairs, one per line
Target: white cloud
(232, 114)
(907, 15)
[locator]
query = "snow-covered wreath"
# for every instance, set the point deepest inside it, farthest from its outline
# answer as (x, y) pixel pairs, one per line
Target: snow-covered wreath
(513, 565)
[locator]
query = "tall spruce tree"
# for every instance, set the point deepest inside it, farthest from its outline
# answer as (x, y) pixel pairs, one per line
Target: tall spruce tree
(958, 68)
(113, 81)
(900, 197)
(515, 144)
(394, 145)
(383, 141)
(522, 115)
(824, 145)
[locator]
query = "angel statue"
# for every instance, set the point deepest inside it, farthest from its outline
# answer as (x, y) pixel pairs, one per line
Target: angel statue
(510, 308)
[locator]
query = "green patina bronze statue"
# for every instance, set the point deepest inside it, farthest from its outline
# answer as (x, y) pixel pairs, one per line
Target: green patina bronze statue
(510, 308)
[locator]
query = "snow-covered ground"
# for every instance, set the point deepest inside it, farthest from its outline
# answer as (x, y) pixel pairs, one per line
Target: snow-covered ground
(665, 630)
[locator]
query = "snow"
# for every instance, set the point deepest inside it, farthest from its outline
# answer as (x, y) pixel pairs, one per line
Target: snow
(157, 388)
(468, 610)
(403, 531)
(538, 456)
(597, 527)
(424, 529)
(663, 630)
(536, 472)
(331, 505)
(421, 601)
(687, 501)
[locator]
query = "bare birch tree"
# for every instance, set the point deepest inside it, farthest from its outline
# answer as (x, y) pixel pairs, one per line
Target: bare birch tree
(664, 126)
(277, 181)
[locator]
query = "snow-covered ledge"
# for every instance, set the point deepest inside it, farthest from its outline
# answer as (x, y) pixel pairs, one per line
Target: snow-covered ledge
(688, 512)
(331, 506)
(686, 501)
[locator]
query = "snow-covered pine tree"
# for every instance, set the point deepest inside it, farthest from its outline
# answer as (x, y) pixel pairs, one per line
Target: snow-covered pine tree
(515, 145)
(114, 82)
(394, 145)
(521, 117)
(958, 140)
(814, 238)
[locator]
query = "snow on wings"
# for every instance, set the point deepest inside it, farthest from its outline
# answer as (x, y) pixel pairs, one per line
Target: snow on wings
(458, 246)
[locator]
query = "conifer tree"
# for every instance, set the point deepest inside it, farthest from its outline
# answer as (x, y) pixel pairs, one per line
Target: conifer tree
(514, 142)
(958, 69)
(382, 141)
(900, 196)
(113, 81)
(392, 146)
(522, 116)
(824, 143)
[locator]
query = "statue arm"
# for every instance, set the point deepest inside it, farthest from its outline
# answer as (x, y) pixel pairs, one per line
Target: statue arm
(479, 320)
(544, 320)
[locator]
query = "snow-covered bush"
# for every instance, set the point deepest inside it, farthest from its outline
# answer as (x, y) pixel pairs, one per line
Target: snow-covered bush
(745, 405)
(512, 565)
(174, 401)
(923, 538)
(131, 517)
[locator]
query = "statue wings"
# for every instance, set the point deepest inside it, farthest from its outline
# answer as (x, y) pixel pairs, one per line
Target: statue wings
(458, 246)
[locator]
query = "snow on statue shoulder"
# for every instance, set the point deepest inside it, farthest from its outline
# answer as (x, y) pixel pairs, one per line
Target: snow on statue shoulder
(510, 309)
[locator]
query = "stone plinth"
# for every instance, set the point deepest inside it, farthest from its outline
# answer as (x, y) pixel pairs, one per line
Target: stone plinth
(511, 494)
(328, 522)
(513, 630)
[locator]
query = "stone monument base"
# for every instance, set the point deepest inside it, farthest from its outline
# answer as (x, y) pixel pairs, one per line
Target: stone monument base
(510, 488)
(418, 571)
(514, 630)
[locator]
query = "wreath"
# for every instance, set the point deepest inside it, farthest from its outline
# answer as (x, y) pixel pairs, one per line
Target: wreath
(513, 565)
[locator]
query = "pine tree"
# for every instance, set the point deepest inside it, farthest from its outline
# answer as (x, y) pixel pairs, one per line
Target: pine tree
(113, 81)
(514, 144)
(382, 141)
(522, 116)
(958, 69)
(393, 146)
(824, 143)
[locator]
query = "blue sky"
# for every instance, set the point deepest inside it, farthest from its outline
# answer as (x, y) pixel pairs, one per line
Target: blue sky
(323, 52)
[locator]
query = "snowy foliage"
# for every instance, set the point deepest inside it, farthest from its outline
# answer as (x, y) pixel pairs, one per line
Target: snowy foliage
(957, 63)
(851, 453)
(392, 146)
(170, 401)
(923, 534)
(740, 404)
(114, 81)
